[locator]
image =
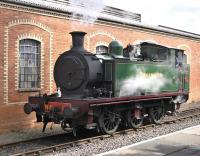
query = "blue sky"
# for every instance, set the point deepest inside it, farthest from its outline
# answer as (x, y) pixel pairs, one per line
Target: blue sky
(180, 14)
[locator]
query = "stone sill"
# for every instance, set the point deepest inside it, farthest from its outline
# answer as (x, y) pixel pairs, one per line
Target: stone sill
(29, 90)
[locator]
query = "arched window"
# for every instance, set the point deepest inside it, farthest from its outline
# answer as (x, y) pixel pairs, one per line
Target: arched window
(101, 49)
(29, 64)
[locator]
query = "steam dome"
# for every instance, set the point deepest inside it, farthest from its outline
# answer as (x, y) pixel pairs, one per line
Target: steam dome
(115, 48)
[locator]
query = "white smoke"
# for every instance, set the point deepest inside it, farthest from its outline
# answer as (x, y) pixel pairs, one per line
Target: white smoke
(86, 11)
(141, 82)
(179, 99)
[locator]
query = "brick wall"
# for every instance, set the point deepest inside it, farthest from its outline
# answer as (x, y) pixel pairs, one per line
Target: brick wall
(53, 33)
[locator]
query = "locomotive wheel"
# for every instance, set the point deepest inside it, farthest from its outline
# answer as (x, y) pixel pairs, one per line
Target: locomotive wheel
(156, 114)
(109, 121)
(134, 122)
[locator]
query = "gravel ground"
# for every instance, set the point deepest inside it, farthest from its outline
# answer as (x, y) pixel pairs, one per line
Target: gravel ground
(26, 134)
(124, 140)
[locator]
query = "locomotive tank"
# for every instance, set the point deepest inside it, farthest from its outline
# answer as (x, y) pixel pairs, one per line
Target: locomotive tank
(77, 71)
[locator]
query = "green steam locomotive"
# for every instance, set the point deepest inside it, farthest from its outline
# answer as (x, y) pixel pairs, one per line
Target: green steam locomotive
(102, 91)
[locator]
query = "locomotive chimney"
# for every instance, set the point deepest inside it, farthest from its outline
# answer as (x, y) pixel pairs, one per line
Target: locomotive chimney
(78, 41)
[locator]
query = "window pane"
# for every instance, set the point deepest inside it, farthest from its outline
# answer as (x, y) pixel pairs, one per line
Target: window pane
(29, 62)
(101, 49)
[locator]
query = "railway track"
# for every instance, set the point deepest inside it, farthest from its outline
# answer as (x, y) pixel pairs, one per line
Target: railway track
(195, 112)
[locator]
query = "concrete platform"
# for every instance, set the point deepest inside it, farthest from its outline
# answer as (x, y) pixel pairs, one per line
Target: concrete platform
(181, 143)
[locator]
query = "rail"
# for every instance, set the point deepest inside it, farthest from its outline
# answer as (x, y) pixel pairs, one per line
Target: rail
(195, 112)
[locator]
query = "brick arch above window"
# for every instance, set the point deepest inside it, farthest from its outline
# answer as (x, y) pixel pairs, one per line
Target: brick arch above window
(102, 43)
(37, 39)
(101, 32)
(96, 33)
(29, 22)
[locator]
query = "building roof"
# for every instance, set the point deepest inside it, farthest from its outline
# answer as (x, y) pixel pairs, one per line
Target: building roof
(68, 7)
(108, 14)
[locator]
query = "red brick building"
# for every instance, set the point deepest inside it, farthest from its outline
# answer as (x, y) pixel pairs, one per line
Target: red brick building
(43, 31)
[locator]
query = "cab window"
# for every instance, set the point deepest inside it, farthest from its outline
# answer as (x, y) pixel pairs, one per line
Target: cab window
(155, 53)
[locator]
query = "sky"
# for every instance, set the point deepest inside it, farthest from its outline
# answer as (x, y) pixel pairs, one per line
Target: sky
(179, 14)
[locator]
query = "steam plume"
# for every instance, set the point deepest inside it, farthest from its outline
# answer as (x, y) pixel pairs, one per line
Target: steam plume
(86, 10)
(142, 82)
